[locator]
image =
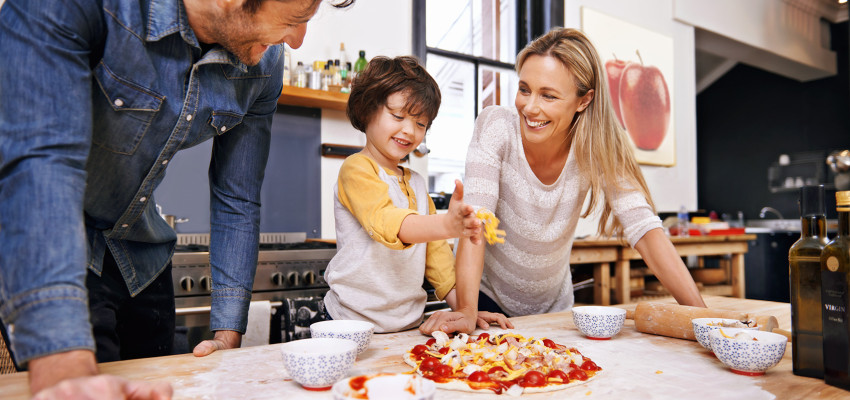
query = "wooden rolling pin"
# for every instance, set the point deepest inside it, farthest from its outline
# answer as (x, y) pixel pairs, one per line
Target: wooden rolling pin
(675, 321)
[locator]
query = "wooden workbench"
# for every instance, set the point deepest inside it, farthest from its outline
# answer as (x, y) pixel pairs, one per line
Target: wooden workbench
(636, 365)
(602, 252)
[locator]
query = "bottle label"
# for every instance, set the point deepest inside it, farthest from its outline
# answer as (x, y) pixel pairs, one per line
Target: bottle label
(832, 263)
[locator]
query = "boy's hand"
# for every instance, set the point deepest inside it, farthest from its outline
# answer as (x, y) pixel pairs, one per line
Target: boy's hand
(461, 218)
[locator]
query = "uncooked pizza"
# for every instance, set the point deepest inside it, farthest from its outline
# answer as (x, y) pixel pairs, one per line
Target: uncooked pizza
(507, 363)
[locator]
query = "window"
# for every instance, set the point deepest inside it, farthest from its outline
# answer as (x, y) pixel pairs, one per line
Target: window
(469, 48)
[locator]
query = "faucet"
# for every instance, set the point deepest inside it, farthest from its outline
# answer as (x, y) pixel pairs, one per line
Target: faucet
(765, 210)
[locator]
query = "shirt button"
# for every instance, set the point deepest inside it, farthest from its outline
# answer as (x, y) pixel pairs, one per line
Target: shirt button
(118, 102)
(124, 225)
(189, 117)
(223, 128)
(165, 162)
(142, 200)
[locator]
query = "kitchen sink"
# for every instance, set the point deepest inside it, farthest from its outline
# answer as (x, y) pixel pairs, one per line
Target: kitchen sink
(773, 225)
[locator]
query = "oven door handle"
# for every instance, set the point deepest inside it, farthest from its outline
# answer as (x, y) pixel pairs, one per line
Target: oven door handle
(206, 309)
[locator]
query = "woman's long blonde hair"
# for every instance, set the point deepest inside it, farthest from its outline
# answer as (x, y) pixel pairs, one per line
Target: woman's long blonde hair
(599, 143)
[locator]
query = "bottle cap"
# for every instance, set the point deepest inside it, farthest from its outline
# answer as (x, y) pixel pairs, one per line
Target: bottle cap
(811, 200)
(363, 53)
(842, 198)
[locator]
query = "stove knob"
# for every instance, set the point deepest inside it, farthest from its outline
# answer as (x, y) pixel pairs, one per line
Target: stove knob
(278, 279)
(206, 283)
(309, 278)
(293, 278)
(187, 283)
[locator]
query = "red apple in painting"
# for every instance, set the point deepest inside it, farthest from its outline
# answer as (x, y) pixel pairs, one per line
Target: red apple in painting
(614, 70)
(644, 104)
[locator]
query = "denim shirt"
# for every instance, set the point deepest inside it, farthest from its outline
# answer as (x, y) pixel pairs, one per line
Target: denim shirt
(96, 96)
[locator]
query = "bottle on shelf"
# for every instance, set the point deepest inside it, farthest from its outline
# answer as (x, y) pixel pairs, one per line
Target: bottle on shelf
(287, 69)
(682, 224)
(337, 74)
(326, 76)
(359, 65)
(835, 279)
(349, 78)
(299, 79)
(343, 56)
(804, 262)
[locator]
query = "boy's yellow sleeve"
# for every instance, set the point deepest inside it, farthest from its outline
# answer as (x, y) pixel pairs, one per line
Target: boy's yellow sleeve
(439, 263)
(366, 196)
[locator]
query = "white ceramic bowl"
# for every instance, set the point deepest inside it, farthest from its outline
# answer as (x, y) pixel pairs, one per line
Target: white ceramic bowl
(748, 357)
(317, 363)
(702, 326)
(597, 322)
(358, 331)
(385, 387)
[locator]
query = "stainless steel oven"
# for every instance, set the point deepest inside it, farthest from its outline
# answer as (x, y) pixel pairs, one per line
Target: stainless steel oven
(290, 273)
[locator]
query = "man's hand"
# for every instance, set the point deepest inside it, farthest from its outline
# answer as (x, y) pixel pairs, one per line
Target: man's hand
(222, 340)
(74, 375)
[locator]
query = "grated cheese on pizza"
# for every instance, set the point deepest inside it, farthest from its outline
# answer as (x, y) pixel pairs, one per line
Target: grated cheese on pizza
(502, 363)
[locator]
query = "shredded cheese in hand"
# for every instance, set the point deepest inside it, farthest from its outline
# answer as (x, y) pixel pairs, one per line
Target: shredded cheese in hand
(490, 224)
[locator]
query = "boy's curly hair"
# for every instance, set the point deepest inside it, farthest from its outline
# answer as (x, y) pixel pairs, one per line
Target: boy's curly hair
(385, 76)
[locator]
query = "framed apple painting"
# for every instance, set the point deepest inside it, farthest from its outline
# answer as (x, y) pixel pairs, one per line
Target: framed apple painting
(639, 69)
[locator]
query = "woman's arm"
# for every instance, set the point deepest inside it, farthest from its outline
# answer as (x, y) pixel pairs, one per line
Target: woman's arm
(662, 259)
(469, 266)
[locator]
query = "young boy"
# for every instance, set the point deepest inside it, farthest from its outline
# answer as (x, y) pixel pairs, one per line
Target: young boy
(388, 233)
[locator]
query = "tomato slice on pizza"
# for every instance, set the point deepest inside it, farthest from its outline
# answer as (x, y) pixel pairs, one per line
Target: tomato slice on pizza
(502, 363)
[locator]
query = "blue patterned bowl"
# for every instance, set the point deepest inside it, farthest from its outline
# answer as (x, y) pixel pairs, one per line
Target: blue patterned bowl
(748, 357)
(702, 326)
(598, 322)
(318, 362)
(358, 331)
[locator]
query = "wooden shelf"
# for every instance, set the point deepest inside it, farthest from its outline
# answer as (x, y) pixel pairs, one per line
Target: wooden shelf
(303, 97)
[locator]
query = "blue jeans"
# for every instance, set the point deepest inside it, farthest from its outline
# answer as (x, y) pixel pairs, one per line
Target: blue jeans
(128, 327)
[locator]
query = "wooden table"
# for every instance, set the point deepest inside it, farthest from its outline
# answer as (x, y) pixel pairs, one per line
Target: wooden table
(602, 252)
(636, 365)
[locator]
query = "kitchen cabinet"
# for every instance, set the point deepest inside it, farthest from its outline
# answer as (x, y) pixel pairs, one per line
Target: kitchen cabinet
(304, 97)
(767, 270)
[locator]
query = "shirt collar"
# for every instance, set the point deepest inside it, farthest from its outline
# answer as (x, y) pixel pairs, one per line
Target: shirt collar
(163, 21)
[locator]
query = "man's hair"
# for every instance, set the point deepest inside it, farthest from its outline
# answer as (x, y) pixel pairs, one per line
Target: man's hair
(386, 76)
(251, 6)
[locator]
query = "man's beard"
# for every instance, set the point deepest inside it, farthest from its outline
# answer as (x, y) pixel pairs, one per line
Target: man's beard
(233, 39)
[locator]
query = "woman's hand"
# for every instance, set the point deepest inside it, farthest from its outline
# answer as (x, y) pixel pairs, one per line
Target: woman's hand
(461, 220)
(455, 321)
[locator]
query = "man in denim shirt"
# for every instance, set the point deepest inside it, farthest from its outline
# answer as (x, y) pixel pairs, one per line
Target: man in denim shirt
(96, 97)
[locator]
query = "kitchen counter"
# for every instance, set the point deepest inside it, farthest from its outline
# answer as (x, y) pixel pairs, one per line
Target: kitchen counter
(636, 365)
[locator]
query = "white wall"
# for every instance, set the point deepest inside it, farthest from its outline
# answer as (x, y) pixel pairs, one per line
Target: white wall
(671, 187)
(784, 37)
(380, 27)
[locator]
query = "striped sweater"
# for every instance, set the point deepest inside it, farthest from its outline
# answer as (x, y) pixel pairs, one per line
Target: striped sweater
(530, 272)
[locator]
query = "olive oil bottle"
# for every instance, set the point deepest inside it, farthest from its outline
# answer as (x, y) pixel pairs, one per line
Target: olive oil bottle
(835, 278)
(805, 276)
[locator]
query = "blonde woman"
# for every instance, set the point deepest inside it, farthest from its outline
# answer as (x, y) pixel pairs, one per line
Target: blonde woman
(533, 166)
